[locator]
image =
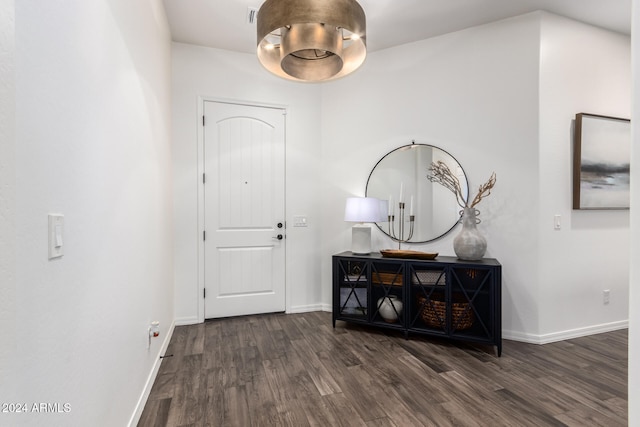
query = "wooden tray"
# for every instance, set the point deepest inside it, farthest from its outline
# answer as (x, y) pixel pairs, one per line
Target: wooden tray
(397, 253)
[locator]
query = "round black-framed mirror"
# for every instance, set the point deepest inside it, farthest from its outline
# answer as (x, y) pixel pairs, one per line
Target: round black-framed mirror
(405, 170)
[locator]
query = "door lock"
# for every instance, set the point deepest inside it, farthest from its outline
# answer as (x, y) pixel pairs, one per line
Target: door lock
(280, 225)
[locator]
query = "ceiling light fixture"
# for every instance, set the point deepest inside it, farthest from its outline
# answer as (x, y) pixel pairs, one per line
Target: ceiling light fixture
(311, 40)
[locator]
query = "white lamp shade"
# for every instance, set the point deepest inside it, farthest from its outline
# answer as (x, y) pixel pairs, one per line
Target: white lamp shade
(384, 210)
(365, 209)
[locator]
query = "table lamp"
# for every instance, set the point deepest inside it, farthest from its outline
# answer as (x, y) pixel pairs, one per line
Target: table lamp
(363, 210)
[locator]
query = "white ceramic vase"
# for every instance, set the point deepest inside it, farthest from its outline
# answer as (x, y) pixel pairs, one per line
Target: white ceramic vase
(469, 244)
(390, 308)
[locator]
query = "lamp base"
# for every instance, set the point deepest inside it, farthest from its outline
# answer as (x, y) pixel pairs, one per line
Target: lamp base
(361, 239)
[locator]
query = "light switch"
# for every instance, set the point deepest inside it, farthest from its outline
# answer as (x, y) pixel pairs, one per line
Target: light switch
(56, 235)
(556, 222)
(58, 243)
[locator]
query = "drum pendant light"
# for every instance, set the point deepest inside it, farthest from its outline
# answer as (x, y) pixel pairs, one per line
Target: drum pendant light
(311, 40)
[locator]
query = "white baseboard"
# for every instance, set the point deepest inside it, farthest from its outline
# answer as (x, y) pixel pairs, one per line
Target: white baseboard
(181, 321)
(142, 401)
(306, 308)
(564, 335)
(327, 307)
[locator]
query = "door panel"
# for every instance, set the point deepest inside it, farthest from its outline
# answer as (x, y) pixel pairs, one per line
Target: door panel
(244, 202)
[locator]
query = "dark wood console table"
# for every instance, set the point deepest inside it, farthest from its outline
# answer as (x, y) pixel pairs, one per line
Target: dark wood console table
(443, 297)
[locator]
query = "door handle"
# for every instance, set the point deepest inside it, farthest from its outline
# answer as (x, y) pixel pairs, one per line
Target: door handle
(278, 237)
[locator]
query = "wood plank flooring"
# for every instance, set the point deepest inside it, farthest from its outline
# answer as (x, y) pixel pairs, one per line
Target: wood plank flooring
(296, 370)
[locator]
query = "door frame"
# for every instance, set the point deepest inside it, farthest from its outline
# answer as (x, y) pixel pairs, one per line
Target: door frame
(200, 208)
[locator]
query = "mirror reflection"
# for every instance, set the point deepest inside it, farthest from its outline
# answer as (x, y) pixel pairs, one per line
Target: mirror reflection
(402, 173)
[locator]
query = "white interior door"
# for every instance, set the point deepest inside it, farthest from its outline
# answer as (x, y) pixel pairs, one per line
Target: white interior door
(244, 241)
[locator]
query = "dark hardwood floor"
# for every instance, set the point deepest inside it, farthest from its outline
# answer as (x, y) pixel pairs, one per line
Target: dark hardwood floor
(296, 370)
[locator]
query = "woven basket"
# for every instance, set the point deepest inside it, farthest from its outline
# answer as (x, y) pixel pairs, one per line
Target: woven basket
(434, 314)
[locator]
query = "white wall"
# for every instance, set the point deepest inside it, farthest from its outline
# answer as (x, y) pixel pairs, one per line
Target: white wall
(7, 199)
(204, 72)
(473, 93)
(584, 69)
(634, 288)
(93, 143)
(498, 97)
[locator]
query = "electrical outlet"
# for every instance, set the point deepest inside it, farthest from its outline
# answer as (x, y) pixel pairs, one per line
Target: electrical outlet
(605, 296)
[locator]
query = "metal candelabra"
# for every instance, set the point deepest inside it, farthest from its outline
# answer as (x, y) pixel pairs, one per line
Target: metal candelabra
(392, 227)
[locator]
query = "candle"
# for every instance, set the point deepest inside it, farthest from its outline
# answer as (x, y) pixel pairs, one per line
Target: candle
(411, 206)
(390, 205)
(401, 191)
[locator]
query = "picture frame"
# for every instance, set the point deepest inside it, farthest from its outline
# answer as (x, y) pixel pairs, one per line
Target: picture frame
(601, 162)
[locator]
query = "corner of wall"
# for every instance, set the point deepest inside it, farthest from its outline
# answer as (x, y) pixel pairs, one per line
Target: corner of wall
(137, 413)
(571, 258)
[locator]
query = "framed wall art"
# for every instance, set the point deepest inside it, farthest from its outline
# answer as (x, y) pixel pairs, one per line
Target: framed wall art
(601, 158)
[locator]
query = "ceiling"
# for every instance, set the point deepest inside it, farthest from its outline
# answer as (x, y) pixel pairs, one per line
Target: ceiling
(223, 23)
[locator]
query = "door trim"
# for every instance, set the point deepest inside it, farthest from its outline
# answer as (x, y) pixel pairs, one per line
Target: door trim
(200, 184)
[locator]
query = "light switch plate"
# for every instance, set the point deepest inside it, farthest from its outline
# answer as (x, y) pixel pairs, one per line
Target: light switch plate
(299, 221)
(56, 235)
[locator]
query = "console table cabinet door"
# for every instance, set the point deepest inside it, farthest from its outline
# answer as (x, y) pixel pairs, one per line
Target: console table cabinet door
(351, 289)
(387, 286)
(427, 298)
(472, 304)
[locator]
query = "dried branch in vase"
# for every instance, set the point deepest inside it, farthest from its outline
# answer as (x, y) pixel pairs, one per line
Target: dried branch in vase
(484, 190)
(441, 174)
